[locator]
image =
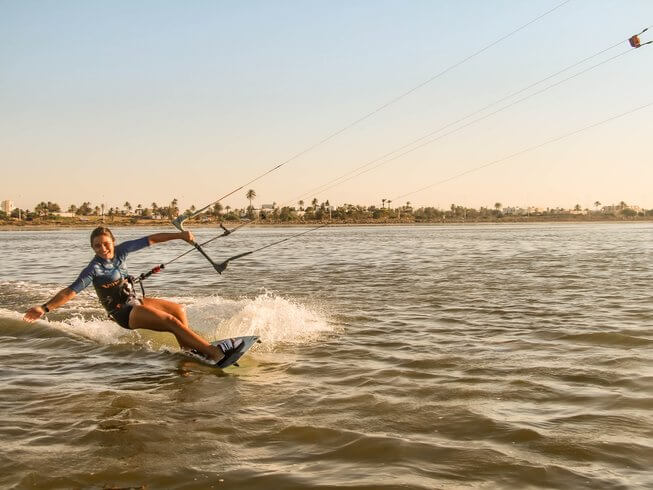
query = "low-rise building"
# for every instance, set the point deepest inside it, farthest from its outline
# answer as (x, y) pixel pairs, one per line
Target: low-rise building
(517, 211)
(615, 208)
(7, 206)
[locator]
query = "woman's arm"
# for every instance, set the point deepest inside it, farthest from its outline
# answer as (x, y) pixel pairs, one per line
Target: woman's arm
(61, 298)
(164, 237)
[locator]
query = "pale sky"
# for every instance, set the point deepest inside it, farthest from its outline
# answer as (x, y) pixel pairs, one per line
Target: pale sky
(144, 101)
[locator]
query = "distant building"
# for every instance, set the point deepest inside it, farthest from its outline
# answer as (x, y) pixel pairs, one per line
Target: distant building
(64, 214)
(516, 211)
(615, 208)
(7, 206)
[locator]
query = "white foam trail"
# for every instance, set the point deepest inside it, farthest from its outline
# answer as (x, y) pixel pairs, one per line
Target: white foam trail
(273, 318)
(12, 315)
(101, 331)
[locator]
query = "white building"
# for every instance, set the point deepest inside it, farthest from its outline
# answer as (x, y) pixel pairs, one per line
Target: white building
(7, 206)
(517, 211)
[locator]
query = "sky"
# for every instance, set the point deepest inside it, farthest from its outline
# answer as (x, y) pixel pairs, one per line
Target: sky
(146, 101)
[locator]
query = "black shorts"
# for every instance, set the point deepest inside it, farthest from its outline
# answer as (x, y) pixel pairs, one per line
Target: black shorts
(121, 314)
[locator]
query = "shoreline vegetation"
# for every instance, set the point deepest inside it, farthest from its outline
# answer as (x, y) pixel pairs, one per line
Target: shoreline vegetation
(72, 223)
(194, 224)
(49, 215)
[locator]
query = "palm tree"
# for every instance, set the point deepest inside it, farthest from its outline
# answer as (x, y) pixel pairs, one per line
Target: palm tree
(314, 203)
(139, 209)
(597, 204)
(217, 209)
(72, 209)
(155, 209)
(497, 206)
(128, 207)
(174, 210)
(301, 205)
(577, 207)
(251, 194)
(383, 203)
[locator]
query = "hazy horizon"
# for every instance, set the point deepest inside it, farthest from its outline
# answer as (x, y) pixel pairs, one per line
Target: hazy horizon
(389, 204)
(146, 101)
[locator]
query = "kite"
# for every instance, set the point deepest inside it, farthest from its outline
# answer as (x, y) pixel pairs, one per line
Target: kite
(635, 42)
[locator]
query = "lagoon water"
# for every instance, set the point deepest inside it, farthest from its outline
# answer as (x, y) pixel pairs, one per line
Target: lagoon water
(511, 356)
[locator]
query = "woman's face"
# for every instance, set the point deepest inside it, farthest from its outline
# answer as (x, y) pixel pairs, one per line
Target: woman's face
(103, 246)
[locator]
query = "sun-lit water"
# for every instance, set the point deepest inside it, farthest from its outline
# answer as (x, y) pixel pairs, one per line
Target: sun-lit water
(392, 357)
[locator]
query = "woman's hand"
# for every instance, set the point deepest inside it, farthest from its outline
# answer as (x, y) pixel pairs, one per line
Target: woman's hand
(59, 299)
(34, 314)
(187, 236)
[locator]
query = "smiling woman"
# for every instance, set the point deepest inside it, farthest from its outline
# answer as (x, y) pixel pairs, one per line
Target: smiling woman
(107, 271)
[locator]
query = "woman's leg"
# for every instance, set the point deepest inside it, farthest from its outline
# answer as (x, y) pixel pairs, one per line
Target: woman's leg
(143, 316)
(174, 309)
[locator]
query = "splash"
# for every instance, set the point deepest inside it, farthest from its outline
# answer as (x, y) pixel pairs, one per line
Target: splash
(276, 320)
(273, 318)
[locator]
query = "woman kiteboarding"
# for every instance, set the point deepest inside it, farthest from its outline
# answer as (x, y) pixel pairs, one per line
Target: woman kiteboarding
(107, 272)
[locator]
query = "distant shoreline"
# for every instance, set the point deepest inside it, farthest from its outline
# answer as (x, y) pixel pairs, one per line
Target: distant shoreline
(119, 223)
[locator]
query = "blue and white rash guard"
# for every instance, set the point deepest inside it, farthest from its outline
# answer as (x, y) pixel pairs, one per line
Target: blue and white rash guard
(109, 276)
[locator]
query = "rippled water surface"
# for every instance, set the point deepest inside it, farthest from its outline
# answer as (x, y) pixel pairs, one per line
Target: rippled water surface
(392, 357)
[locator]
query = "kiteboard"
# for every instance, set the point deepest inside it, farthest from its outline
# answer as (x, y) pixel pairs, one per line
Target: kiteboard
(240, 344)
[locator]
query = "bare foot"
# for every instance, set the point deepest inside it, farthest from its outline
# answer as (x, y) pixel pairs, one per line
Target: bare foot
(211, 352)
(215, 354)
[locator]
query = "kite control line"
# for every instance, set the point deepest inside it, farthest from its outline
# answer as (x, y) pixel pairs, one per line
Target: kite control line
(223, 265)
(179, 221)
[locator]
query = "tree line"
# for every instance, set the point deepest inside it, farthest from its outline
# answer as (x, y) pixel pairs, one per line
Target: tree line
(314, 211)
